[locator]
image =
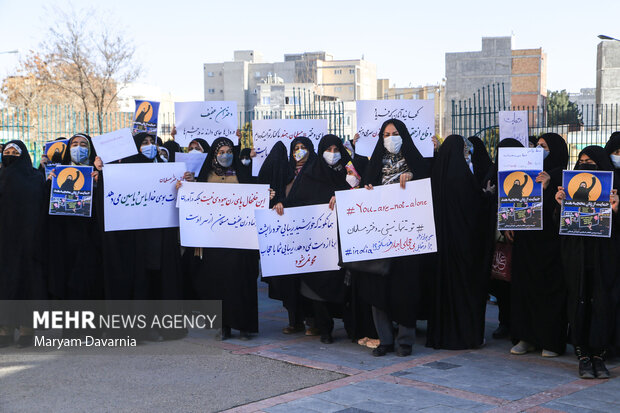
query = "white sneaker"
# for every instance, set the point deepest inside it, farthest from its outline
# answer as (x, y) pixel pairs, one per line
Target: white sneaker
(521, 348)
(549, 353)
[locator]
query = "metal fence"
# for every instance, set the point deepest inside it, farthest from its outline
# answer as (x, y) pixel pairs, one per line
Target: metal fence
(479, 117)
(43, 124)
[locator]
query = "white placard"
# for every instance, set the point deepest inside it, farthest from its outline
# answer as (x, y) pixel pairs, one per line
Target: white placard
(141, 195)
(265, 134)
(515, 159)
(303, 240)
(193, 161)
(220, 215)
(206, 120)
(513, 124)
(386, 221)
(418, 115)
(115, 145)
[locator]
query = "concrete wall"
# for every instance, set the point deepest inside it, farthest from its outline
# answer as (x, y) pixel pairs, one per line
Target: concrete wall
(608, 72)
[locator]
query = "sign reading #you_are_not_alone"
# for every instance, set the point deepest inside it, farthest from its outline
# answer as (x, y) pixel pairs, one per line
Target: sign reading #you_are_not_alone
(302, 240)
(387, 221)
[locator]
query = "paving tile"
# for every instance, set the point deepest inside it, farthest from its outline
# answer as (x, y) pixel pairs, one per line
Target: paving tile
(312, 403)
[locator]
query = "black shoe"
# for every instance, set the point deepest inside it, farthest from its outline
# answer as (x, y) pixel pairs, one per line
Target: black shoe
(404, 350)
(600, 371)
(224, 334)
(501, 332)
(244, 335)
(326, 339)
(586, 369)
(382, 350)
(25, 341)
(6, 341)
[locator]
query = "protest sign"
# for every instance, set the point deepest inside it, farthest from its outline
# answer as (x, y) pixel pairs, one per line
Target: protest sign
(265, 134)
(513, 124)
(145, 117)
(206, 120)
(115, 145)
(387, 221)
(220, 215)
(55, 148)
(303, 240)
(141, 195)
(586, 210)
(71, 191)
(418, 116)
(193, 161)
(520, 200)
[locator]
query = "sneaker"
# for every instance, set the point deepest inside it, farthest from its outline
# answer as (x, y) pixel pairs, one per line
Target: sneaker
(501, 332)
(586, 369)
(521, 348)
(600, 371)
(549, 353)
(223, 334)
(313, 331)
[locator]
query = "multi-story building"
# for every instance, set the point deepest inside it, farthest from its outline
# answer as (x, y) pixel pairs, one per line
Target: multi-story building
(608, 72)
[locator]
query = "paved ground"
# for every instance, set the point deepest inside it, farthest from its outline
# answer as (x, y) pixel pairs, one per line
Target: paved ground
(277, 373)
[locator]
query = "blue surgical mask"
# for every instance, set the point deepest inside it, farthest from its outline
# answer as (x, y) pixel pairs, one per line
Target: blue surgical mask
(79, 154)
(545, 152)
(331, 158)
(225, 159)
(615, 159)
(149, 151)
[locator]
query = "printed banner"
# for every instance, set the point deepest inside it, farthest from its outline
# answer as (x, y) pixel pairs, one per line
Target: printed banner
(115, 145)
(72, 191)
(55, 148)
(206, 120)
(520, 200)
(220, 215)
(386, 221)
(141, 195)
(265, 134)
(303, 240)
(586, 210)
(418, 115)
(513, 124)
(145, 117)
(193, 161)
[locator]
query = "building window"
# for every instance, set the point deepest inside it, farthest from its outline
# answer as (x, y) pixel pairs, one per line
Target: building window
(347, 121)
(210, 74)
(351, 71)
(351, 88)
(399, 96)
(430, 95)
(266, 100)
(211, 91)
(256, 74)
(338, 71)
(338, 89)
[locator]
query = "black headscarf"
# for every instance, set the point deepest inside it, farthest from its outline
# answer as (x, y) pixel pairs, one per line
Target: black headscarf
(480, 159)
(492, 173)
(613, 144)
(173, 148)
(92, 154)
(140, 158)
(318, 182)
(533, 140)
(598, 155)
(203, 144)
(307, 142)
(416, 163)
(245, 172)
(211, 163)
(558, 156)
(276, 172)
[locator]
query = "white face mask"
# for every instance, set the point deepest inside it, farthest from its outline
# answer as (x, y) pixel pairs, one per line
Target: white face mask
(245, 162)
(393, 144)
(353, 181)
(615, 159)
(331, 158)
(195, 151)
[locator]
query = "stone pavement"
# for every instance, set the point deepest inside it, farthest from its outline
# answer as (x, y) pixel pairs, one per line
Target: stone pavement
(276, 373)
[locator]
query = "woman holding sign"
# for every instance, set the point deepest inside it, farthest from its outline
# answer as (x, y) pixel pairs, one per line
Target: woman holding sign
(397, 296)
(613, 150)
(317, 185)
(592, 281)
(22, 207)
(77, 275)
(231, 273)
(538, 292)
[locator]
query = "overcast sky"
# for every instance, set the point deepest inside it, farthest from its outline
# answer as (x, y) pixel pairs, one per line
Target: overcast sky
(406, 39)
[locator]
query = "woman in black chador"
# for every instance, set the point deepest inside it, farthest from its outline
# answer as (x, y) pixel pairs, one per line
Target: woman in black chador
(69, 184)
(591, 279)
(583, 192)
(22, 211)
(459, 284)
(517, 189)
(538, 293)
(399, 295)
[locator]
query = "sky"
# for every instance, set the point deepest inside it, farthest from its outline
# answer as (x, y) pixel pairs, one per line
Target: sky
(407, 40)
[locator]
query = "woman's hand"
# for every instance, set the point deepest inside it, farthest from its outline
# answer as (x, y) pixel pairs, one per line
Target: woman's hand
(272, 194)
(490, 188)
(173, 132)
(332, 203)
(510, 235)
(95, 175)
(561, 195)
(279, 208)
(51, 174)
(355, 138)
(407, 176)
(613, 200)
(252, 153)
(179, 184)
(435, 143)
(98, 164)
(239, 133)
(544, 178)
(369, 187)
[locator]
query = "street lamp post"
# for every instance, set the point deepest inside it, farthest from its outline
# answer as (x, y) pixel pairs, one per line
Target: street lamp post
(10, 51)
(605, 37)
